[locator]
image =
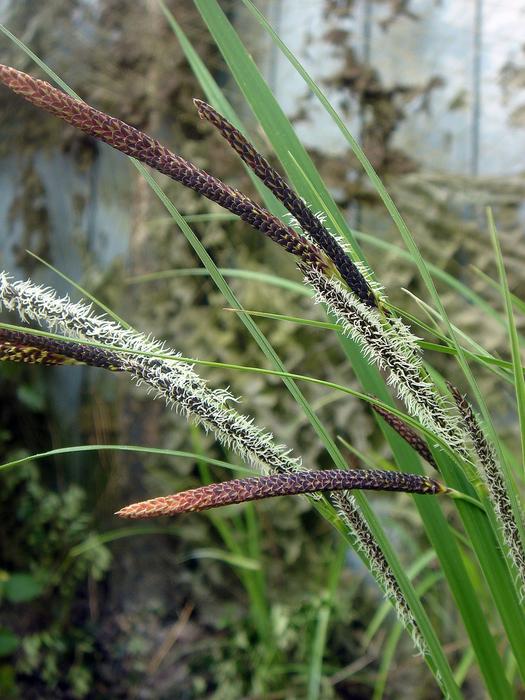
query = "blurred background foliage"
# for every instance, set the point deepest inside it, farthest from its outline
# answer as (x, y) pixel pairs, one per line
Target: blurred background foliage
(91, 610)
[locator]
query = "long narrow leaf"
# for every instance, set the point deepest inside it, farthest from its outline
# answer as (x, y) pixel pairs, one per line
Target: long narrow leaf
(513, 335)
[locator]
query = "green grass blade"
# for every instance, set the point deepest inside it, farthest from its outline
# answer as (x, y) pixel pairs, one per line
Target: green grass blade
(236, 560)
(123, 448)
(517, 302)
(315, 664)
(51, 73)
(387, 659)
(513, 335)
(94, 541)
(464, 665)
(263, 277)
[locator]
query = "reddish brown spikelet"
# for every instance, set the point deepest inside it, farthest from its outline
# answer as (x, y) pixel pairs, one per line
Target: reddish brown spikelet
(148, 150)
(406, 432)
(256, 488)
(30, 348)
(291, 200)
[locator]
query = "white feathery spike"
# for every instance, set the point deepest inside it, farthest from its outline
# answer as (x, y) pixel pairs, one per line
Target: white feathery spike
(490, 471)
(394, 352)
(349, 512)
(176, 382)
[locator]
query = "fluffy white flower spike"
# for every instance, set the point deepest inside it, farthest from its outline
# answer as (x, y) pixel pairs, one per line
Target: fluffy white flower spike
(391, 346)
(491, 473)
(176, 382)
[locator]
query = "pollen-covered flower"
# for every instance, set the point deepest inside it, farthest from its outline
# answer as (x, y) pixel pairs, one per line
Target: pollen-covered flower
(388, 344)
(176, 382)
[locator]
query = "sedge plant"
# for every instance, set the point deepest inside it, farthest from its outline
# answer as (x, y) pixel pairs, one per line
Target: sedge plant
(437, 424)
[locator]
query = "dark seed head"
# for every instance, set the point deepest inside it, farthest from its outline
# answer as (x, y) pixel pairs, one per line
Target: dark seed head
(148, 150)
(291, 200)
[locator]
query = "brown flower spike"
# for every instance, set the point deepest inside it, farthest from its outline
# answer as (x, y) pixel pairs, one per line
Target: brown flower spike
(256, 488)
(409, 435)
(30, 348)
(291, 200)
(148, 150)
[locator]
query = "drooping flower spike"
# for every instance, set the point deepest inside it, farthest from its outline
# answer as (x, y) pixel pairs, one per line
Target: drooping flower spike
(148, 150)
(176, 382)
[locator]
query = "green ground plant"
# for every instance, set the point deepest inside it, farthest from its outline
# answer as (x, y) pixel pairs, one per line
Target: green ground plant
(44, 586)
